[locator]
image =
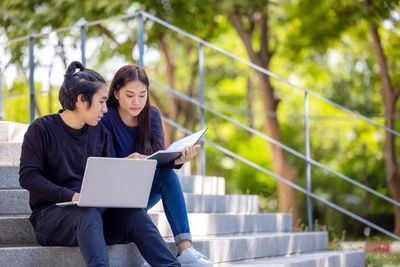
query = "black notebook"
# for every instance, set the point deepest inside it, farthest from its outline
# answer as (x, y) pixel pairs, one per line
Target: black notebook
(174, 151)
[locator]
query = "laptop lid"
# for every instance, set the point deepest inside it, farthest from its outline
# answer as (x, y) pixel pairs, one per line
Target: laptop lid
(117, 182)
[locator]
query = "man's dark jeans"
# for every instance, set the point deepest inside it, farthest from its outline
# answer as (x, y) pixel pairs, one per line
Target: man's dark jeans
(93, 228)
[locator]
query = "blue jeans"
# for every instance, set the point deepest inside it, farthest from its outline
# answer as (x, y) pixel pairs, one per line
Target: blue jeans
(166, 186)
(93, 228)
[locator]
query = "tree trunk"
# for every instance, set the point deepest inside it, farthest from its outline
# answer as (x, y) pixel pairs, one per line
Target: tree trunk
(390, 97)
(171, 102)
(191, 111)
(62, 52)
(37, 108)
(50, 96)
(280, 163)
(250, 103)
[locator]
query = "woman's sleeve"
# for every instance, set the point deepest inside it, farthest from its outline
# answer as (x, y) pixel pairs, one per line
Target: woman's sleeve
(157, 131)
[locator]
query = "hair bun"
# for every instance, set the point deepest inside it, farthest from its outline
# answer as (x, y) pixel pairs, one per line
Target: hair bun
(72, 68)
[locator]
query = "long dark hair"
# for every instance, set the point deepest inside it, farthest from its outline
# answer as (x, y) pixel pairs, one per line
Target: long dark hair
(86, 82)
(145, 142)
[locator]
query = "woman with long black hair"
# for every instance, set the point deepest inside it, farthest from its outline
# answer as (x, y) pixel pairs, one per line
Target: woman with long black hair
(137, 131)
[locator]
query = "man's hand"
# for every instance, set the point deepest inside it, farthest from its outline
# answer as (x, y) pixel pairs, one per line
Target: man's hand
(136, 156)
(188, 153)
(76, 196)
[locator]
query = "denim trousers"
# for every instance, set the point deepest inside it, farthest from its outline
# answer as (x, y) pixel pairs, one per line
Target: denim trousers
(166, 186)
(93, 228)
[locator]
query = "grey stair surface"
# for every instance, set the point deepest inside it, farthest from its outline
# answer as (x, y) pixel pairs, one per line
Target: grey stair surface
(197, 184)
(17, 201)
(220, 249)
(12, 131)
(9, 176)
(10, 153)
(226, 228)
(194, 184)
(217, 203)
(319, 259)
(17, 228)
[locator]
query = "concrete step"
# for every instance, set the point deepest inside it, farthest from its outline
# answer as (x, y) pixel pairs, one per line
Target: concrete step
(194, 184)
(12, 131)
(315, 259)
(17, 228)
(9, 176)
(14, 201)
(217, 204)
(10, 153)
(218, 249)
(203, 185)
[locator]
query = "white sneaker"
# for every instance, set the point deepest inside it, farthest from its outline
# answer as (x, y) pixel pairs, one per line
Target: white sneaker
(192, 258)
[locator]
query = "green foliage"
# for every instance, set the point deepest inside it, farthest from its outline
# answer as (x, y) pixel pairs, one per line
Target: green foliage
(320, 45)
(318, 24)
(330, 43)
(381, 260)
(16, 102)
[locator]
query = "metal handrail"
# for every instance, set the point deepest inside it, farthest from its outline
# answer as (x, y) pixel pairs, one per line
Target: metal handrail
(65, 29)
(214, 47)
(297, 187)
(273, 141)
(203, 43)
(265, 71)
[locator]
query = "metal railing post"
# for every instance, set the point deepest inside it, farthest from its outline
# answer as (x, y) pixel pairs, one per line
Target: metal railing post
(1, 93)
(140, 39)
(201, 96)
(308, 157)
(83, 44)
(31, 79)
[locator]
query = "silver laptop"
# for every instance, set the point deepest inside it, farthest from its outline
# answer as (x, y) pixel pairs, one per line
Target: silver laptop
(116, 183)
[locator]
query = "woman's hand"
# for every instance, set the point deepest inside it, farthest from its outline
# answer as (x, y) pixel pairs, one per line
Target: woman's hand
(76, 196)
(136, 156)
(188, 153)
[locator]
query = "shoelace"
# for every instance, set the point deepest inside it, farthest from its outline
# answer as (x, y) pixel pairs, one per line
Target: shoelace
(196, 254)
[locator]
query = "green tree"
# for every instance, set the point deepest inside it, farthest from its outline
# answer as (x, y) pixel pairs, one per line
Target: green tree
(252, 22)
(34, 16)
(326, 24)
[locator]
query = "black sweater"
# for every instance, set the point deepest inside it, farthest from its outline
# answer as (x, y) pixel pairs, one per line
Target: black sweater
(53, 159)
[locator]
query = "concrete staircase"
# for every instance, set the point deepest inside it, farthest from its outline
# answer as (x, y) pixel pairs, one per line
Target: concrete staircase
(226, 228)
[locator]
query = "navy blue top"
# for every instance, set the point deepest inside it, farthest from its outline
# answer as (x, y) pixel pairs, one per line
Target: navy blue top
(53, 158)
(124, 137)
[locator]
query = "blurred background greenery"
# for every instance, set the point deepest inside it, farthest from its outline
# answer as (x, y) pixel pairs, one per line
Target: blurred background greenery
(325, 46)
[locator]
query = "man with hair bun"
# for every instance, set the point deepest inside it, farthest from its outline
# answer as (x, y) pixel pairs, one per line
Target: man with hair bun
(53, 159)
